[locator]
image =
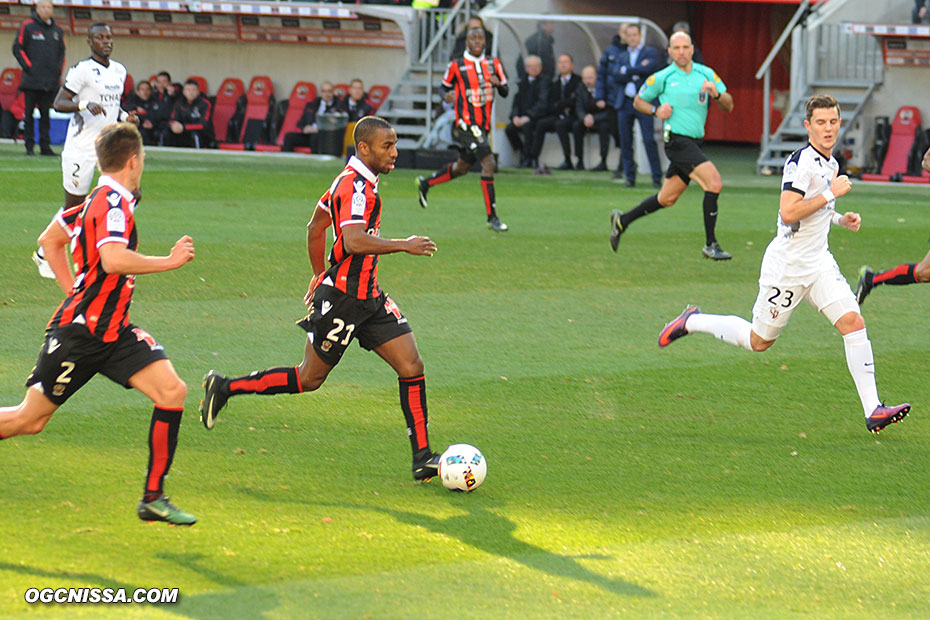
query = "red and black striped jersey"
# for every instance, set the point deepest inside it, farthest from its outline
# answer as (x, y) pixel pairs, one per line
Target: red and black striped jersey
(474, 94)
(353, 200)
(99, 300)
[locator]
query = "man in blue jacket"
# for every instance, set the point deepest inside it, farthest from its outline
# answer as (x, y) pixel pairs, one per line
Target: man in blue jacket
(40, 50)
(629, 70)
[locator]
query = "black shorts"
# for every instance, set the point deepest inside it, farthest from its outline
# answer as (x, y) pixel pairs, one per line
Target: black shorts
(472, 142)
(70, 356)
(336, 319)
(684, 155)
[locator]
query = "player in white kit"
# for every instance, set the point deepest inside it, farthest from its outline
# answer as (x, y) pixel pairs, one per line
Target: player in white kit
(92, 91)
(798, 265)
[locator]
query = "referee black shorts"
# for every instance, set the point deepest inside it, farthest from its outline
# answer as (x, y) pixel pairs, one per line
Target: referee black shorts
(471, 142)
(684, 155)
(71, 356)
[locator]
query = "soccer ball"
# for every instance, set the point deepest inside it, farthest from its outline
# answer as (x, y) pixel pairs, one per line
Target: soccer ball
(462, 468)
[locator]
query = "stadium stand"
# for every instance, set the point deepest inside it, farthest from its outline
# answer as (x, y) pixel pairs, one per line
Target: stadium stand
(227, 100)
(293, 108)
(9, 87)
(904, 131)
(259, 105)
(377, 94)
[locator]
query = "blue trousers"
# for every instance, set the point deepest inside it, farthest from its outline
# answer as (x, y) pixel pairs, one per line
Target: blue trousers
(626, 116)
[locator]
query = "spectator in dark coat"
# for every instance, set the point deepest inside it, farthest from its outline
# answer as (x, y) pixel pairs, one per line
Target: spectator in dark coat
(192, 118)
(143, 104)
(561, 113)
(540, 44)
(356, 101)
(529, 105)
(165, 95)
(590, 118)
(40, 50)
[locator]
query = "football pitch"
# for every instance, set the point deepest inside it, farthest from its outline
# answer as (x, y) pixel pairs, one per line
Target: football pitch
(624, 481)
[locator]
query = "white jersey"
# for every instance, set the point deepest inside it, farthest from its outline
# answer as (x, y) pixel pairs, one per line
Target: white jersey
(92, 82)
(800, 250)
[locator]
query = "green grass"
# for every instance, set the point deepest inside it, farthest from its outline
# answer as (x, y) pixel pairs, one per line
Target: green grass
(625, 481)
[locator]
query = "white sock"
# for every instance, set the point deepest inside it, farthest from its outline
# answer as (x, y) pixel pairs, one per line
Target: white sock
(731, 329)
(862, 368)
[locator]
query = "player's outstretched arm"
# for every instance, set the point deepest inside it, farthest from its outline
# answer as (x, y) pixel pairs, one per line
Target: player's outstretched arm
(117, 258)
(792, 207)
(64, 102)
(357, 241)
(54, 242)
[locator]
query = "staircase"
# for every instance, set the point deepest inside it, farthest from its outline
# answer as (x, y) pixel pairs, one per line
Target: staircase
(825, 59)
(413, 101)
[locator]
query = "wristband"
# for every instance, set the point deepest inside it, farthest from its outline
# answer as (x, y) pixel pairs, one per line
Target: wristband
(653, 110)
(123, 115)
(82, 105)
(719, 95)
(828, 195)
(836, 218)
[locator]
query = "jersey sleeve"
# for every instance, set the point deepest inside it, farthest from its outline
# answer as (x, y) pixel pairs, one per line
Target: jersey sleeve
(794, 178)
(721, 87)
(74, 80)
(449, 78)
(67, 217)
(499, 69)
(652, 87)
(325, 202)
(113, 219)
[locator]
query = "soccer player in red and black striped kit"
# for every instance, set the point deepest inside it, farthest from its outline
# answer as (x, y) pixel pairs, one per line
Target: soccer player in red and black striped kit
(470, 82)
(345, 300)
(906, 273)
(90, 331)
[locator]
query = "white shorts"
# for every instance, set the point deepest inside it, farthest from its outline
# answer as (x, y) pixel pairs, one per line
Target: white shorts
(827, 291)
(77, 172)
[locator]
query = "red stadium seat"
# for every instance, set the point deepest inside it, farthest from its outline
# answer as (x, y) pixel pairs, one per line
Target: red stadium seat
(377, 94)
(201, 82)
(903, 131)
(341, 90)
(301, 95)
(258, 101)
(9, 85)
(226, 100)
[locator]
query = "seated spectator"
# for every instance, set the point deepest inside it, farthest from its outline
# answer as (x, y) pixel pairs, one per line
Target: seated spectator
(143, 104)
(165, 95)
(458, 48)
(590, 118)
(920, 15)
(191, 123)
(356, 101)
(529, 105)
(326, 103)
(561, 113)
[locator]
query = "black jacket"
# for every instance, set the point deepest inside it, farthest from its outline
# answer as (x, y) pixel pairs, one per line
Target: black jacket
(40, 50)
(310, 111)
(532, 98)
(195, 116)
(586, 103)
(562, 100)
(357, 110)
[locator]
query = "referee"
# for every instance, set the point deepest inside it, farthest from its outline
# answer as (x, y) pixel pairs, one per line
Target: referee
(682, 89)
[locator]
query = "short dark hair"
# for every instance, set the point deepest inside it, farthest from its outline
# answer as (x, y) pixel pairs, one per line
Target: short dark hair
(90, 28)
(194, 82)
(635, 25)
(367, 127)
(164, 73)
(820, 101)
(116, 144)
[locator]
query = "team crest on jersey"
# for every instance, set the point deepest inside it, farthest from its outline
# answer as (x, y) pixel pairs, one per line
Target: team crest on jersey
(651, 79)
(326, 345)
(774, 312)
(113, 198)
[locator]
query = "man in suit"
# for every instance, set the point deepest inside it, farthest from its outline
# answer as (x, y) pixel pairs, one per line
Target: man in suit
(633, 66)
(529, 105)
(588, 117)
(356, 101)
(561, 113)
